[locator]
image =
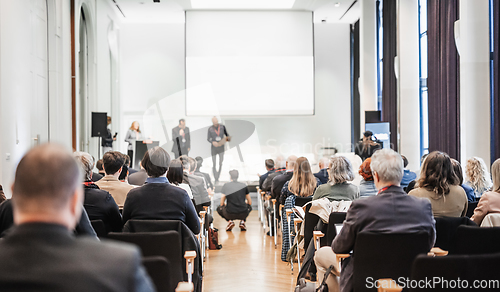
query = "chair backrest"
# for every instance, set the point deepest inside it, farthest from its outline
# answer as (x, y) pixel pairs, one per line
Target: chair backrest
(301, 201)
(477, 240)
(335, 218)
(446, 229)
(99, 228)
(312, 223)
(448, 269)
(491, 220)
(470, 209)
(378, 256)
(158, 269)
(166, 244)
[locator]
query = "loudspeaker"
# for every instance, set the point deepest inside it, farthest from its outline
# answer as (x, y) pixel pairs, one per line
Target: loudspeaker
(99, 124)
(373, 117)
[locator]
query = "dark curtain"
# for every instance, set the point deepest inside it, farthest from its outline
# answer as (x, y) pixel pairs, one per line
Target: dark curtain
(355, 103)
(495, 145)
(389, 83)
(443, 80)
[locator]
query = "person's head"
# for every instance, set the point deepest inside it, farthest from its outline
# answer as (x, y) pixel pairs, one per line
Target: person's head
(269, 164)
(339, 170)
(156, 161)
(367, 136)
(387, 168)
(477, 174)
(405, 161)
(495, 174)
(323, 162)
(108, 120)
(457, 168)
(113, 162)
(280, 162)
(192, 164)
(99, 166)
(86, 163)
(365, 170)
(303, 182)
(215, 121)
(47, 187)
(199, 162)
(185, 163)
(234, 174)
(437, 174)
(182, 123)
(290, 162)
(175, 173)
(135, 126)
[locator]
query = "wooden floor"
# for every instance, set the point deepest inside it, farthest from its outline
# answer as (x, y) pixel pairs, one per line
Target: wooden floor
(247, 261)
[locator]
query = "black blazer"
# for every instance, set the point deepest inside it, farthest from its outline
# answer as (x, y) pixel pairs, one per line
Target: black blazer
(322, 175)
(161, 201)
(46, 257)
(100, 205)
(278, 183)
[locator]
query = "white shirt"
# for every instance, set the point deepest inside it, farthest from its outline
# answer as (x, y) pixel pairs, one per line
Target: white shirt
(187, 188)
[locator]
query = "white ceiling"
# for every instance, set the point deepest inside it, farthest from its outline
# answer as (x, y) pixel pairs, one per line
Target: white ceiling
(172, 11)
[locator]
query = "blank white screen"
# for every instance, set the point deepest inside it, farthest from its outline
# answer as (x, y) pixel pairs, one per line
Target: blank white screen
(249, 63)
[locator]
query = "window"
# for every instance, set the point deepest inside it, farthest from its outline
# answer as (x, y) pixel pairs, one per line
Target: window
(380, 53)
(424, 114)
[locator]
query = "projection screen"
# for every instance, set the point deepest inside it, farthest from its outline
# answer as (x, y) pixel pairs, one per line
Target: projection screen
(249, 63)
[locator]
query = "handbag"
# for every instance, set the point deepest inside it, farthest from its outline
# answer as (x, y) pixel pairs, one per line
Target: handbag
(213, 239)
(304, 286)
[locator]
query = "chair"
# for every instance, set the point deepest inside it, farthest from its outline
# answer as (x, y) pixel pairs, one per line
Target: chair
(99, 228)
(331, 232)
(166, 244)
(470, 209)
(301, 201)
(446, 229)
(157, 267)
(312, 223)
(477, 240)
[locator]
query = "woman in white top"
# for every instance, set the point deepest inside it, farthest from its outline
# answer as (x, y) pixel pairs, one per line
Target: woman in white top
(478, 177)
(133, 134)
(175, 176)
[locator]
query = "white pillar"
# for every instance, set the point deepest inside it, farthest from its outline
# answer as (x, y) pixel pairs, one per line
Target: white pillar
(368, 59)
(474, 79)
(409, 96)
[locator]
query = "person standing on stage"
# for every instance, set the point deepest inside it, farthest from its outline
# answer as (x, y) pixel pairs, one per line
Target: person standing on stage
(217, 136)
(133, 134)
(107, 143)
(181, 138)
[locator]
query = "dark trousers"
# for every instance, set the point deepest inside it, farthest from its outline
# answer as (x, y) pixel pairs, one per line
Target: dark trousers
(130, 153)
(217, 151)
(222, 210)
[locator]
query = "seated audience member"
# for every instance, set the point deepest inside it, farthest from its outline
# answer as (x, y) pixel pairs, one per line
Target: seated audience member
(41, 254)
(391, 211)
(490, 201)
(235, 202)
(128, 163)
(322, 174)
(366, 146)
(439, 183)
(197, 184)
(408, 176)
(124, 174)
(270, 169)
(206, 176)
(367, 185)
(175, 176)
(138, 178)
(338, 188)
(302, 184)
(100, 168)
(280, 165)
(113, 165)
(412, 184)
(2, 195)
(158, 199)
(280, 180)
(99, 204)
(478, 177)
(96, 176)
(457, 168)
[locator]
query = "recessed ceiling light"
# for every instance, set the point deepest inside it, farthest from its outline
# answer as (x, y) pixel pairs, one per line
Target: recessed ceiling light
(337, 4)
(242, 4)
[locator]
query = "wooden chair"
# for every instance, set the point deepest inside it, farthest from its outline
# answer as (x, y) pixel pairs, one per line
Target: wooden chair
(275, 233)
(296, 223)
(288, 216)
(184, 287)
(190, 256)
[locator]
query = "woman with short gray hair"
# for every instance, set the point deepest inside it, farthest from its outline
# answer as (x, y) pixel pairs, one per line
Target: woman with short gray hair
(338, 188)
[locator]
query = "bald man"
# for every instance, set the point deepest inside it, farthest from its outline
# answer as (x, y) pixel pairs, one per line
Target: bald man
(322, 174)
(40, 253)
(217, 136)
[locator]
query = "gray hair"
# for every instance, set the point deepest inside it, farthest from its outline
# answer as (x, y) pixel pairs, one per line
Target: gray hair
(340, 170)
(388, 164)
(86, 163)
(280, 162)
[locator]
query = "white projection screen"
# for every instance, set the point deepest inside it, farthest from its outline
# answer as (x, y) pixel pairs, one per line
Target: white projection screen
(249, 63)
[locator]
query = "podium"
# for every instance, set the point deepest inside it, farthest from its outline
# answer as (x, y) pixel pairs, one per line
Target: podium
(140, 148)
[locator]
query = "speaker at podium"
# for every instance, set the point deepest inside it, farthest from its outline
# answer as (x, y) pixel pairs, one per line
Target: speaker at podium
(141, 146)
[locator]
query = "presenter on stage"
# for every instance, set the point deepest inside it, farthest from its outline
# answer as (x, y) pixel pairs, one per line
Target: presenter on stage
(217, 136)
(133, 134)
(181, 138)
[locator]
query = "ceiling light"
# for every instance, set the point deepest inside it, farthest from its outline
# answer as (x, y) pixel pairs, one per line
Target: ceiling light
(242, 4)
(337, 4)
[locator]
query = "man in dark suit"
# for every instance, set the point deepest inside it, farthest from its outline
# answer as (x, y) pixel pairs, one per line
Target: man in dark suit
(280, 168)
(270, 169)
(280, 180)
(391, 211)
(322, 174)
(40, 253)
(181, 138)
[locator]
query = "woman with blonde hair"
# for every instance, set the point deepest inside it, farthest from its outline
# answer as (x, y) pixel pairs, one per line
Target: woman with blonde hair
(133, 134)
(302, 184)
(338, 187)
(490, 201)
(477, 175)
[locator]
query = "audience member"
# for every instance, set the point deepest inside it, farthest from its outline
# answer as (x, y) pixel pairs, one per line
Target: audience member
(96, 176)
(408, 176)
(40, 254)
(100, 168)
(158, 199)
(391, 211)
(175, 176)
(113, 165)
(412, 184)
(124, 174)
(367, 146)
(280, 180)
(2, 195)
(98, 203)
(338, 187)
(490, 201)
(197, 184)
(138, 178)
(367, 185)
(280, 165)
(302, 184)
(270, 169)
(128, 163)
(478, 177)
(457, 168)
(235, 202)
(322, 174)
(206, 176)
(439, 183)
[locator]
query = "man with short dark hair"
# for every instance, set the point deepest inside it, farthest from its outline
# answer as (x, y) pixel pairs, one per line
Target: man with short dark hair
(41, 254)
(206, 176)
(181, 138)
(113, 162)
(270, 169)
(239, 203)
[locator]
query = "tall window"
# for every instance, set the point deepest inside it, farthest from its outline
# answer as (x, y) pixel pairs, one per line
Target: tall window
(424, 114)
(492, 84)
(380, 51)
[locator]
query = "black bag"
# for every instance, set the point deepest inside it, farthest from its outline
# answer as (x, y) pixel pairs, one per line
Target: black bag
(311, 287)
(213, 239)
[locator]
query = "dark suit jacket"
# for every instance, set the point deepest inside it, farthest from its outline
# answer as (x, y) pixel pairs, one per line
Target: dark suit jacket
(391, 211)
(206, 176)
(100, 205)
(263, 177)
(46, 257)
(322, 175)
(185, 145)
(278, 183)
(161, 201)
(266, 185)
(200, 192)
